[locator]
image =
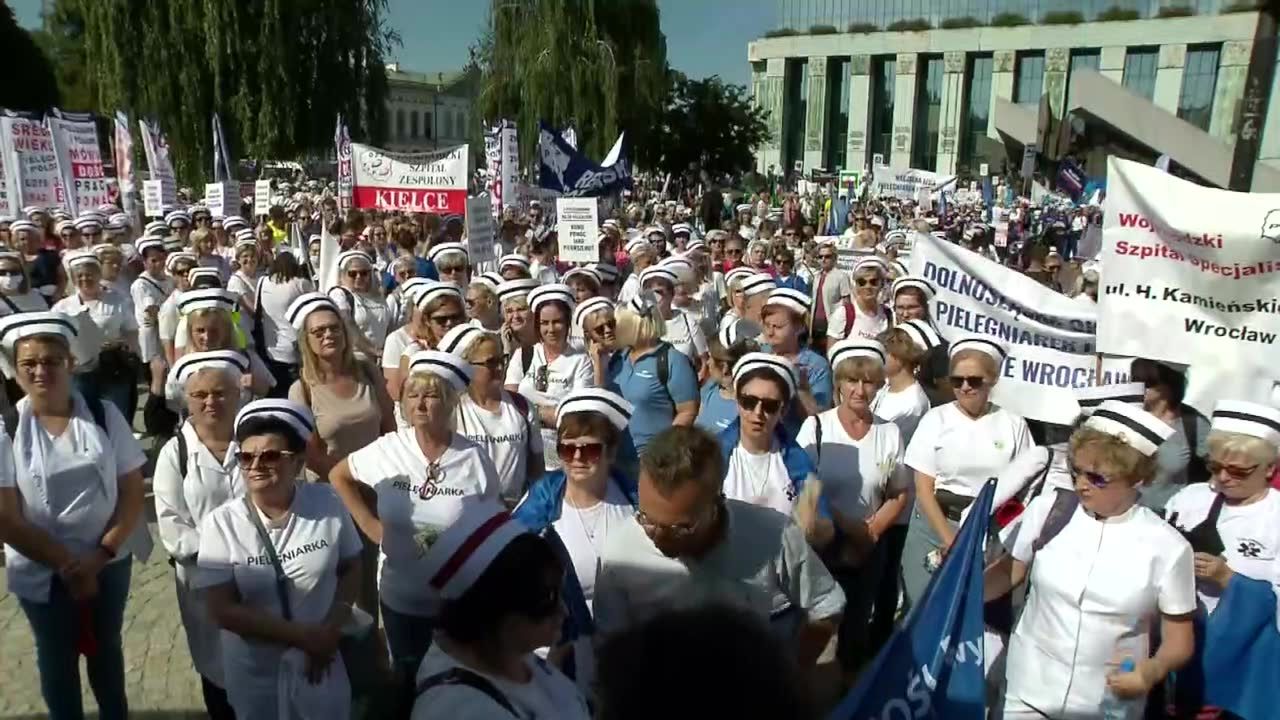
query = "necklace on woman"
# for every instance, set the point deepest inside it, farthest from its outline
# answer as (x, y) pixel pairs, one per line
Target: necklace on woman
(594, 530)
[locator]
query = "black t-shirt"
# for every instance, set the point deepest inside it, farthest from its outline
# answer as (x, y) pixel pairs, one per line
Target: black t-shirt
(44, 269)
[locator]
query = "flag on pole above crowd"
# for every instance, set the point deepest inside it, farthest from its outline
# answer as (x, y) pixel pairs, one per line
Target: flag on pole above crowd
(221, 156)
(565, 170)
(122, 150)
(342, 150)
(932, 666)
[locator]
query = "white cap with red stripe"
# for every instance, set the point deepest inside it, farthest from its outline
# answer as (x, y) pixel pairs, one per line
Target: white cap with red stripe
(466, 548)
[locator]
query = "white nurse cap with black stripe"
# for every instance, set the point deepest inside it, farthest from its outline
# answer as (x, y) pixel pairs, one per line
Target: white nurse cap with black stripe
(353, 256)
(225, 360)
(732, 333)
(554, 292)
(987, 347)
(856, 348)
(779, 366)
(597, 400)
(460, 338)
(450, 368)
(589, 306)
(435, 290)
(516, 289)
(608, 273)
(793, 300)
(925, 287)
(209, 299)
(1248, 418)
(306, 304)
(171, 262)
(585, 273)
(1091, 398)
(438, 252)
(205, 272)
(513, 260)
(18, 326)
(758, 283)
(922, 334)
(296, 415)
(77, 258)
(1138, 428)
(177, 216)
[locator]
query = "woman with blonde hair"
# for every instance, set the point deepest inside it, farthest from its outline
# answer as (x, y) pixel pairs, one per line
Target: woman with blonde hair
(437, 310)
(659, 382)
(481, 299)
(207, 323)
(244, 281)
(112, 259)
(421, 476)
(1072, 658)
(518, 332)
(595, 326)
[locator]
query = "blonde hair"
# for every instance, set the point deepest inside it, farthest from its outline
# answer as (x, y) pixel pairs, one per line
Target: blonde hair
(483, 289)
(635, 330)
(311, 362)
(432, 385)
(523, 302)
(473, 351)
(989, 366)
(1112, 456)
(859, 368)
(1223, 444)
(223, 317)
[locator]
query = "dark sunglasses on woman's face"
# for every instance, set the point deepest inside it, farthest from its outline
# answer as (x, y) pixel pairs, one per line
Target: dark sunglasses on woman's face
(1236, 472)
(606, 325)
(1095, 479)
(589, 452)
(443, 320)
(977, 382)
(493, 364)
(357, 274)
(867, 282)
(771, 406)
(733, 251)
(267, 457)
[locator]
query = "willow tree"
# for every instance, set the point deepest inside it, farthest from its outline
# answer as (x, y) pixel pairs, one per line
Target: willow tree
(276, 71)
(598, 65)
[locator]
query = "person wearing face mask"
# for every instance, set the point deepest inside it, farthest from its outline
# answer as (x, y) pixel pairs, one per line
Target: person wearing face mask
(113, 374)
(420, 477)
(360, 300)
(16, 293)
(451, 263)
(43, 264)
(196, 473)
(865, 317)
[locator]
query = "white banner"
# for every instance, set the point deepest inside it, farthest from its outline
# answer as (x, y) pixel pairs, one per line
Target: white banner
(31, 166)
(80, 167)
(480, 233)
(493, 167)
(123, 150)
(1191, 274)
(1049, 336)
(905, 184)
(261, 198)
(578, 228)
(417, 182)
(159, 164)
(222, 199)
(153, 198)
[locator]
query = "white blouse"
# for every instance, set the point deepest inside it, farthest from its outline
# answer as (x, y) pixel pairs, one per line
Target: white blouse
(961, 453)
(111, 313)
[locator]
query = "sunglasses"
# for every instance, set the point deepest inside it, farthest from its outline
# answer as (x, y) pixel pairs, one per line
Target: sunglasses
(589, 452)
(319, 332)
(977, 382)
(541, 379)
(733, 251)
(681, 530)
(442, 320)
(1095, 479)
(749, 403)
(783, 261)
(605, 325)
(865, 282)
(494, 363)
(1236, 472)
(266, 457)
(826, 256)
(355, 274)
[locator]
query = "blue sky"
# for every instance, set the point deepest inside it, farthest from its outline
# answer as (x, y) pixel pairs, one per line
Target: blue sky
(704, 37)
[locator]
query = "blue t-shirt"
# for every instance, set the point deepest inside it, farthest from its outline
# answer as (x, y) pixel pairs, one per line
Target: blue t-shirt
(794, 282)
(638, 383)
(818, 372)
(716, 411)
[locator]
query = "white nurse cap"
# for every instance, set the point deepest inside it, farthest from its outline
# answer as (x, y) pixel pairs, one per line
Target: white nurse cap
(438, 252)
(171, 262)
(202, 272)
(991, 348)
(779, 366)
(911, 281)
(589, 306)
(1091, 397)
(296, 415)
(466, 548)
(1248, 418)
(851, 348)
(513, 260)
(555, 292)
(306, 304)
(450, 368)
(210, 299)
(922, 334)
(1143, 431)
(793, 300)
(597, 400)
(516, 289)
(224, 360)
(459, 339)
(435, 290)
(758, 283)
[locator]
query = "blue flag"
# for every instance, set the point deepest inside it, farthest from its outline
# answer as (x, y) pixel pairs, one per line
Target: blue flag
(565, 170)
(932, 666)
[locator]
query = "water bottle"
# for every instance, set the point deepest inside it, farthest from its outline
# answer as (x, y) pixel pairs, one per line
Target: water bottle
(1117, 708)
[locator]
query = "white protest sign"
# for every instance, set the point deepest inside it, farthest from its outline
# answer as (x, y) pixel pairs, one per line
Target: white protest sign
(1028, 161)
(222, 199)
(578, 227)
(30, 163)
(153, 198)
(877, 159)
(80, 167)
(983, 169)
(480, 248)
(905, 184)
(1190, 274)
(261, 198)
(433, 182)
(1049, 336)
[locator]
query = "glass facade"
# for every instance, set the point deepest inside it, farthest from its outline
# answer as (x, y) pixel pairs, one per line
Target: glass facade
(1140, 64)
(1028, 84)
(1082, 59)
(794, 111)
(928, 120)
(884, 81)
(837, 122)
(977, 108)
(1199, 79)
(803, 14)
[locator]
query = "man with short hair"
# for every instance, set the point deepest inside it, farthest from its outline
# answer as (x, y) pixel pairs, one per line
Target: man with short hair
(688, 546)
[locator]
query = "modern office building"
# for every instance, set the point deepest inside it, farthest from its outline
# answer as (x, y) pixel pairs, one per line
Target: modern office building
(947, 85)
(426, 111)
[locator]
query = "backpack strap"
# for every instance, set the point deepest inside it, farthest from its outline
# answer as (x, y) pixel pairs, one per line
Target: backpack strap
(12, 306)
(98, 411)
(182, 454)
(463, 677)
(663, 358)
(1065, 503)
(526, 359)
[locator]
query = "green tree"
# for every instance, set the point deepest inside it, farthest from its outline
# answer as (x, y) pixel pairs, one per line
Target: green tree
(709, 125)
(31, 84)
(599, 65)
(277, 71)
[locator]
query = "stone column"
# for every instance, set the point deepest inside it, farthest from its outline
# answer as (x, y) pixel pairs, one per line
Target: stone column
(1173, 61)
(1057, 63)
(1002, 74)
(1228, 91)
(904, 111)
(1111, 63)
(815, 121)
(859, 112)
(769, 97)
(952, 112)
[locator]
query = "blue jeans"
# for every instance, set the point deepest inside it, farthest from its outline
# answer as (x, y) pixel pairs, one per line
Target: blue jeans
(56, 626)
(408, 640)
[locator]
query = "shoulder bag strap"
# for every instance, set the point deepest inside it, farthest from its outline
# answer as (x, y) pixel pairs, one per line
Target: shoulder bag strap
(282, 588)
(11, 304)
(461, 676)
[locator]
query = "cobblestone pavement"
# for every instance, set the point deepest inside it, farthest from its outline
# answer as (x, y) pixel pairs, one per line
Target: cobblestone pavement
(160, 680)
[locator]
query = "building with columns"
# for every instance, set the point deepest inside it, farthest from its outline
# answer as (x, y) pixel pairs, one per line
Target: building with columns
(859, 81)
(427, 111)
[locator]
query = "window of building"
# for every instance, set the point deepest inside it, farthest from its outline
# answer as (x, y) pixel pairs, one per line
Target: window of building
(400, 124)
(428, 128)
(1140, 65)
(837, 123)
(1082, 59)
(884, 80)
(794, 111)
(413, 125)
(1199, 80)
(976, 109)
(928, 120)
(1029, 82)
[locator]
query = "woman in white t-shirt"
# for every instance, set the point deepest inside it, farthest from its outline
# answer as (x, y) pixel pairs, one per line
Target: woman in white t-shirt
(501, 587)
(419, 475)
(681, 332)
(207, 323)
(16, 293)
(179, 265)
(112, 374)
(866, 316)
(859, 463)
(1103, 570)
(519, 332)
(408, 328)
(71, 506)
(244, 281)
(481, 298)
(196, 473)
(502, 422)
(280, 566)
(554, 369)
(275, 293)
(955, 449)
(437, 310)
(360, 299)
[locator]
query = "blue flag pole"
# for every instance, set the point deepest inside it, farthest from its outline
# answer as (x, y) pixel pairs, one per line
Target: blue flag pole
(932, 666)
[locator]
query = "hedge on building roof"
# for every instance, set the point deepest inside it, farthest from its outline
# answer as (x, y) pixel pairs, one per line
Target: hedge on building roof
(1115, 12)
(957, 23)
(1242, 6)
(1009, 19)
(1173, 11)
(822, 29)
(913, 25)
(860, 28)
(1062, 17)
(781, 32)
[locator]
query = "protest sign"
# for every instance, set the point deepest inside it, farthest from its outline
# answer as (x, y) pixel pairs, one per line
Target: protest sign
(578, 228)
(159, 164)
(6, 208)
(984, 169)
(80, 167)
(906, 184)
(1049, 336)
(1028, 161)
(123, 149)
(1191, 274)
(502, 158)
(480, 231)
(31, 166)
(261, 198)
(526, 194)
(222, 199)
(153, 198)
(563, 169)
(434, 182)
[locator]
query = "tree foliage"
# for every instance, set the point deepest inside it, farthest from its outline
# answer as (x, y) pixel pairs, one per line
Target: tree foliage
(710, 125)
(276, 71)
(599, 65)
(30, 83)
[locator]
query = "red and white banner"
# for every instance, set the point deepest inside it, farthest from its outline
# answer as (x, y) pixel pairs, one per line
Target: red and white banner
(502, 156)
(80, 167)
(433, 182)
(30, 165)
